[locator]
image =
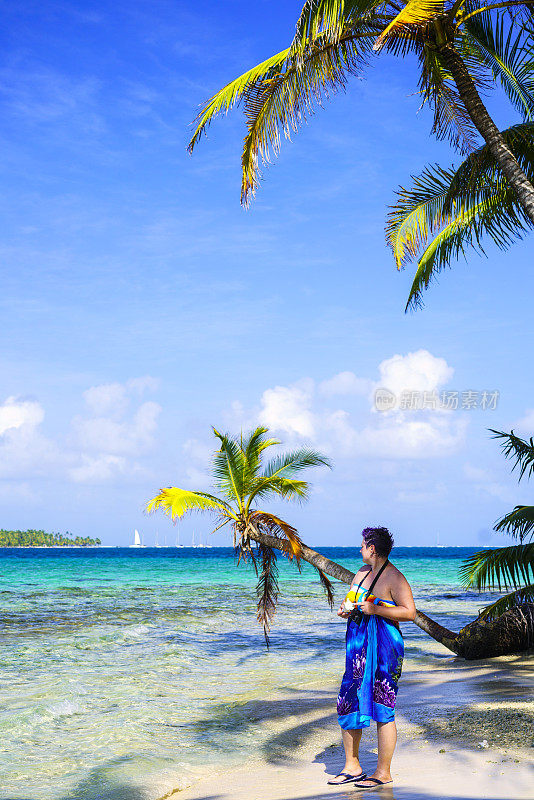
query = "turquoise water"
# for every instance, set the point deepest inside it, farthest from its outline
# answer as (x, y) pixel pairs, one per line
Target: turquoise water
(123, 672)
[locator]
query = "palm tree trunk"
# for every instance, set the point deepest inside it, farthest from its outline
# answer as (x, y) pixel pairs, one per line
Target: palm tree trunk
(484, 124)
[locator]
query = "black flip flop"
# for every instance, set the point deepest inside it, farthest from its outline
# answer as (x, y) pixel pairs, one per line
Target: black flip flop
(374, 780)
(348, 778)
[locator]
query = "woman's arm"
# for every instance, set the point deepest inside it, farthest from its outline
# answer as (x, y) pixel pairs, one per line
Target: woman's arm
(401, 593)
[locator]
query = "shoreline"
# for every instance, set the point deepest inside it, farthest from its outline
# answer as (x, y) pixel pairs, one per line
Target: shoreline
(445, 713)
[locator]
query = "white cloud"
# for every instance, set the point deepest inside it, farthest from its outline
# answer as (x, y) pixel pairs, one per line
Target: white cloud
(16, 413)
(303, 411)
(100, 469)
(418, 372)
(108, 398)
(287, 408)
(108, 441)
(345, 383)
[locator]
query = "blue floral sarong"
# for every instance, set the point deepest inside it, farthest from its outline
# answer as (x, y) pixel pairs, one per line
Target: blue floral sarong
(375, 650)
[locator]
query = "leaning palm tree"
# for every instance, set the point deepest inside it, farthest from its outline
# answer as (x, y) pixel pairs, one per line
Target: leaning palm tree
(446, 211)
(462, 46)
(508, 568)
(243, 481)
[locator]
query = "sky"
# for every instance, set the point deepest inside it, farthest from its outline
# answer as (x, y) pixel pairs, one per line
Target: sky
(143, 305)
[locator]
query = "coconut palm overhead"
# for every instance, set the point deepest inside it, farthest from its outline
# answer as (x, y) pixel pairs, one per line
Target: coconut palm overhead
(244, 480)
(462, 47)
(446, 211)
(508, 567)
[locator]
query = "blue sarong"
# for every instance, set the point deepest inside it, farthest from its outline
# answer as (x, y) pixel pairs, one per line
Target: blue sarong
(375, 650)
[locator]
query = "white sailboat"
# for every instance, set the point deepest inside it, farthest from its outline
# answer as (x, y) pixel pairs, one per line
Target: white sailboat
(137, 539)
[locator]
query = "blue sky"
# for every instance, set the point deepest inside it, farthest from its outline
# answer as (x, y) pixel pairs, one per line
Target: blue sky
(142, 304)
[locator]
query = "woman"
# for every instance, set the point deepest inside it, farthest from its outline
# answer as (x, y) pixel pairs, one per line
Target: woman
(375, 650)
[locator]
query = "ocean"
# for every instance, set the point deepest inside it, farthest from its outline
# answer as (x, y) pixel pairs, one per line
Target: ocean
(126, 671)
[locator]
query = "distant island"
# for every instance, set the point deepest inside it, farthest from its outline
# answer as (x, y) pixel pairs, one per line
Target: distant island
(42, 539)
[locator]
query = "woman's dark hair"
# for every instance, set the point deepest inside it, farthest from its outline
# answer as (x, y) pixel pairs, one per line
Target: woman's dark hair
(381, 538)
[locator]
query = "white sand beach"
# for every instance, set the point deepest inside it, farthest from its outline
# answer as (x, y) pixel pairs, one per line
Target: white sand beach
(465, 732)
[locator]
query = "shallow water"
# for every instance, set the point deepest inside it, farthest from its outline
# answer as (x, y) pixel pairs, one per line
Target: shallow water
(123, 672)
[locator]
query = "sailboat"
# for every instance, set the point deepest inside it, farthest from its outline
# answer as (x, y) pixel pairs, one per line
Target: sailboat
(157, 544)
(198, 545)
(137, 539)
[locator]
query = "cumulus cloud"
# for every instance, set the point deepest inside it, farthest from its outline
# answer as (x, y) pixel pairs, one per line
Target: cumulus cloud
(345, 383)
(287, 408)
(414, 372)
(108, 440)
(303, 410)
(18, 413)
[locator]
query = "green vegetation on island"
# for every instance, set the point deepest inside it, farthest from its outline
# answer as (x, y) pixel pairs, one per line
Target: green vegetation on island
(33, 538)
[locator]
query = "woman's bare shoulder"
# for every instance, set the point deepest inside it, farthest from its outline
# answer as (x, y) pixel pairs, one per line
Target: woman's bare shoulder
(361, 572)
(396, 576)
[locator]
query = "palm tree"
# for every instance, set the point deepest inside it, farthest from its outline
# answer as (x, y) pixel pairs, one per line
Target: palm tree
(447, 210)
(242, 481)
(461, 45)
(258, 534)
(508, 567)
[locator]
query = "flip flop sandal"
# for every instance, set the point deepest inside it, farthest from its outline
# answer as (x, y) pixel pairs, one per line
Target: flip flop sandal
(374, 780)
(348, 778)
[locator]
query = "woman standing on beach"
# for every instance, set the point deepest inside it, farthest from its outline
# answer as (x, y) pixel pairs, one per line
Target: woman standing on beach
(375, 649)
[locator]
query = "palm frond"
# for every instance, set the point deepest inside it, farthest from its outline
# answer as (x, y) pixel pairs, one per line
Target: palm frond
(415, 14)
(418, 213)
(267, 589)
(280, 104)
(447, 211)
(176, 502)
(500, 568)
(229, 468)
(253, 446)
(451, 119)
(281, 529)
(518, 523)
(521, 450)
(329, 19)
(505, 51)
(233, 93)
(327, 586)
(511, 600)
(291, 463)
(286, 488)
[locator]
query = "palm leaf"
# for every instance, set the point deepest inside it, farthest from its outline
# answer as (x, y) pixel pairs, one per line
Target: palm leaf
(287, 488)
(233, 93)
(505, 52)
(511, 600)
(176, 502)
(328, 20)
(253, 447)
(519, 522)
(515, 447)
(327, 586)
(229, 468)
(451, 119)
(501, 568)
(415, 14)
(293, 462)
(282, 530)
(280, 104)
(447, 211)
(267, 589)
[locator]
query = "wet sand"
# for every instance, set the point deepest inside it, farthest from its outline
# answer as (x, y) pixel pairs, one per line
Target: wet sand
(465, 732)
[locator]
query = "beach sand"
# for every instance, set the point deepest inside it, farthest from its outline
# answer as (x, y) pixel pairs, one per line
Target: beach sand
(444, 714)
